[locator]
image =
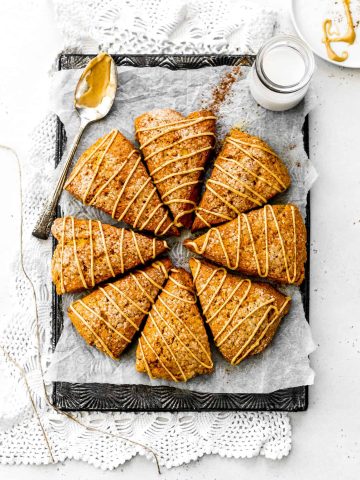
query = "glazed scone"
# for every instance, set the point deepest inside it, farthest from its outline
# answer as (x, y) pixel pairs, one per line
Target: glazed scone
(109, 317)
(174, 344)
(269, 242)
(111, 176)
(246, 174)
(243, 315)
(89, 252)
(176, 149)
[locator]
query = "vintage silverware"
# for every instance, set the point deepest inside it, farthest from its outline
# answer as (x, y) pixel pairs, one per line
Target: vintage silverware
(94, 97)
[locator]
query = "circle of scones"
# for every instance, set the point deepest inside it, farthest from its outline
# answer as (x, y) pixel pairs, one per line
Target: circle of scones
(269, 242)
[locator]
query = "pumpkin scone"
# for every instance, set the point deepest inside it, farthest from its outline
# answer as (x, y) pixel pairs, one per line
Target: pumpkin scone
(111, 176)
(246, 174)
(242, 315)
(174, 344)
(176, 149)
(109, 317)
(269, 242)
(89, 252)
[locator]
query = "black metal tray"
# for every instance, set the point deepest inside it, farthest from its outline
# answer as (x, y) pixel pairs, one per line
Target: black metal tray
(108, 397)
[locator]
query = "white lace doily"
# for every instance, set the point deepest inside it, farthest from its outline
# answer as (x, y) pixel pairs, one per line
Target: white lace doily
(150, 26)
(154, 26)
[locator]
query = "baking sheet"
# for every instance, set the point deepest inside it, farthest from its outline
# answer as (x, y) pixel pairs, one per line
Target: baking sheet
(285, 362)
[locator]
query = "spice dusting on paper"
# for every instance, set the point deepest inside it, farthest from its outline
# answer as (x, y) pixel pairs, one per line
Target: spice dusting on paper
(223, 89)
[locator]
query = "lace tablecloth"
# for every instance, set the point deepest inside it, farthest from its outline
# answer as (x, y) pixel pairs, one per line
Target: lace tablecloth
(129, 26)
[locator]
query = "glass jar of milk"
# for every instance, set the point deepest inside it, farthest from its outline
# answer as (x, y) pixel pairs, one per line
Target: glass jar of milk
(281, 73)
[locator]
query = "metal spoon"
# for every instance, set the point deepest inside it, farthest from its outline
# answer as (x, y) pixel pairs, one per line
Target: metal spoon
(87, 114)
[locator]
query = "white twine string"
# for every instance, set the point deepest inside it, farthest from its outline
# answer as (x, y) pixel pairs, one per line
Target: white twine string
(38, 342)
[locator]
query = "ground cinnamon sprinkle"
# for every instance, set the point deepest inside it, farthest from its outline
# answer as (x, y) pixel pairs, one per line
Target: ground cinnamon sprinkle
(222, 90)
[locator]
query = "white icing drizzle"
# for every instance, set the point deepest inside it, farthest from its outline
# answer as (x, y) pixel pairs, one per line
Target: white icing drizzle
(158, 265)
(122, 313)
(237, 143)
(88, 326)
(91, 227)
(256, 198)
(62, 286)
(236, 360)
(105, 291)
(105, 249)
(106, 143)
(90, 310)
(137, 247)
(111, 140)
(130, 300)
(217, 214)
(80, 166)
(243, 217)
(156, 127)
(91, 255)
(113, 176)
(122, 233)
(77, 261)
(178, 125)
(174, 126)
(130, 203)
(160, 299)
(224, 332)
(116, 203)
(143, 208)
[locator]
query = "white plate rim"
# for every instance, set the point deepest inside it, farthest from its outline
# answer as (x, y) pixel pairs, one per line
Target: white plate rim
(324, 57)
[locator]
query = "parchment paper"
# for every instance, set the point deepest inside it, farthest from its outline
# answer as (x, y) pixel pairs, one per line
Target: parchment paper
(285, 362)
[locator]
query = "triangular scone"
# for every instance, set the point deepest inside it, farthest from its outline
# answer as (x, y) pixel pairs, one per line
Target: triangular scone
(269, 242)
(109, 317)
(111, 176)
(246, 174)
(176, 149)
(243, 315)
(174, 344)
(89, 252)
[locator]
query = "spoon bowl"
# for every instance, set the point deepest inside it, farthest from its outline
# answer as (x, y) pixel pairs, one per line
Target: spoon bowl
(103, 95)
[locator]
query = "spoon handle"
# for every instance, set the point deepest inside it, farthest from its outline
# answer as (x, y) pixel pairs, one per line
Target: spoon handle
(43, 225)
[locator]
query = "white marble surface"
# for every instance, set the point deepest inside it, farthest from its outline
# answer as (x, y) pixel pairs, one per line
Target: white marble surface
(326, 438)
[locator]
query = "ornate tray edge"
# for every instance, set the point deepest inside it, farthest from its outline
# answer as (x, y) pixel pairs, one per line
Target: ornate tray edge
(143, 398)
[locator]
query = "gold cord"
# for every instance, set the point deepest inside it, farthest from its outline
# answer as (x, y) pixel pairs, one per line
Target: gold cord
(39, 352)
